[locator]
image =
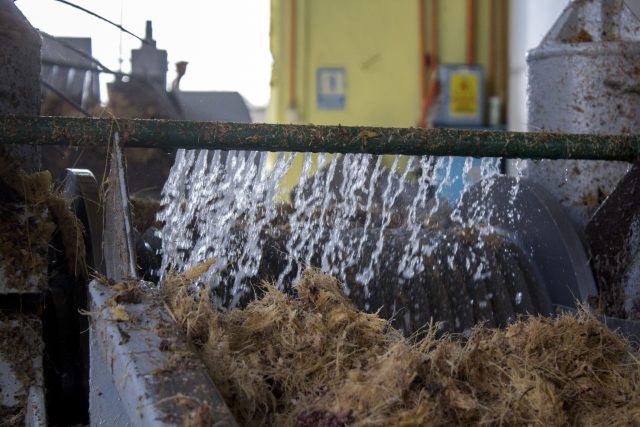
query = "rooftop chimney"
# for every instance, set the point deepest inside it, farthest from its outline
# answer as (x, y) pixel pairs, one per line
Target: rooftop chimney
(149, 62)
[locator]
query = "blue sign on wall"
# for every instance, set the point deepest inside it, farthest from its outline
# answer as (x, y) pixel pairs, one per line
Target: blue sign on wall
(331, 88)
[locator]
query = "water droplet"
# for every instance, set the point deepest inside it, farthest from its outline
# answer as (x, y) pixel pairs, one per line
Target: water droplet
(518, 298)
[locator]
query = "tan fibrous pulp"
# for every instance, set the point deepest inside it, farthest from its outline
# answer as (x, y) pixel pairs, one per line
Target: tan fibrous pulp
(312, 359)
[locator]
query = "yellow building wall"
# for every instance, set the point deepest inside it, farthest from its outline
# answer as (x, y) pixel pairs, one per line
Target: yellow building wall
(377, 42)
(452, 35)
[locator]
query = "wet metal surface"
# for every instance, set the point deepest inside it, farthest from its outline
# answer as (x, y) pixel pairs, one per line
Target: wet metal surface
(81, 188)
(584, 78)
(535, 222)
(142, 373)
(118, 232)
(19, 74)
(22, 383)
(612, 235)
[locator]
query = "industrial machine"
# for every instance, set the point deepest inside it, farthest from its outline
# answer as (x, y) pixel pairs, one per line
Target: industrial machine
(113, 344)
(131, 378)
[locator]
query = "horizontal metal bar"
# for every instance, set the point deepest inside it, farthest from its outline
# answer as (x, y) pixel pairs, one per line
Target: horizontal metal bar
(168, 134)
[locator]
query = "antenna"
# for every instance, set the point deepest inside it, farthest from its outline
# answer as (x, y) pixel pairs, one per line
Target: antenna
(120, 59)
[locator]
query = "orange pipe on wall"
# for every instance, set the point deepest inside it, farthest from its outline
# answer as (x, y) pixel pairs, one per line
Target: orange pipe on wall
(430, 94)
(471, 31)
(422, 121)
(434, 34)
(292, 52)
(491, 68)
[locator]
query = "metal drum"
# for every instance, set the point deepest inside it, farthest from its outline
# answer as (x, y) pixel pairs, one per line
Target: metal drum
(585, 78)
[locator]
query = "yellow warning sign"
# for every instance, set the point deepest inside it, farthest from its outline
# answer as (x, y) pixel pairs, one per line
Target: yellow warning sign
(463, 91)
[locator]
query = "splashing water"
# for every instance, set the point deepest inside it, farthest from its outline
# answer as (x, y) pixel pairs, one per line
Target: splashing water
(358, 218)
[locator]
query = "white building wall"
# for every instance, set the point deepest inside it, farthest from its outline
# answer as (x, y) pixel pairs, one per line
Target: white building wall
(529, 21)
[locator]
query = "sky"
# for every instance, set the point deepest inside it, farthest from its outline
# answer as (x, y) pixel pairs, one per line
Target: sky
(226, 42)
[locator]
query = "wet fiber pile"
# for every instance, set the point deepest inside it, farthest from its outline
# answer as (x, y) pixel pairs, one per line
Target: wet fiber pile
(31, 215)
(313, 360)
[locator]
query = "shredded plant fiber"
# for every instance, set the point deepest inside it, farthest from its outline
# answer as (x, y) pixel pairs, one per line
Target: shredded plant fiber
(313, 360)
(31, 215)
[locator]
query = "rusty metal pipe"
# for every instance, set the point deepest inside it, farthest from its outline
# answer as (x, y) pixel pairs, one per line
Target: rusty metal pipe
(422, 73)
(491, 66)
(471, 32)
(170, 134)
(431, 92)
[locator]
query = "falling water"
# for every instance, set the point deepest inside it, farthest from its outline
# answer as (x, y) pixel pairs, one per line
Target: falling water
(368, 220)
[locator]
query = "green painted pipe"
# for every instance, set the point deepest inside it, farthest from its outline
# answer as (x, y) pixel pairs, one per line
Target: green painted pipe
(169, 134)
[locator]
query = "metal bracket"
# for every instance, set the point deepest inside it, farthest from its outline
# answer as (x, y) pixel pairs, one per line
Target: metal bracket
(82, 190)
(119, 250)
